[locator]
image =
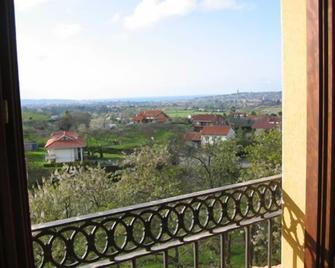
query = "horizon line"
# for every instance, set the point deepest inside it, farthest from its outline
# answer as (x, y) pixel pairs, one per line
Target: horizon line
(148, 97)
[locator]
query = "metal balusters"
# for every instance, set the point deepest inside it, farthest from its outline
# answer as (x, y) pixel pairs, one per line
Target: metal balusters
(133, 263)
(195, 254)
(165, 259)
(270, 243)
(247, 247)
(222, 250)
(223, 209)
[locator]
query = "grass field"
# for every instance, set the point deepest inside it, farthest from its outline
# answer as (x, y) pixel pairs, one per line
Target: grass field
(37, 158)
(264, 109)
(135, 136)
(34, 116)
(184, 113)
(181, 113)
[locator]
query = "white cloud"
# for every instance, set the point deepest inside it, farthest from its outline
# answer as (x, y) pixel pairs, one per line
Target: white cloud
(27, 4)
(116, 18)
(64, 31)
(221, 4)
(149, 12)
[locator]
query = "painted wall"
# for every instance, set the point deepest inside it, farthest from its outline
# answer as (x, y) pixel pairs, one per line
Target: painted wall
(294, 130)
(210, 139)
(64, 155)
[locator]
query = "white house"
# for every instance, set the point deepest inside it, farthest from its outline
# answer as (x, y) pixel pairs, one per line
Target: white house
(213, 134)
(65, 147)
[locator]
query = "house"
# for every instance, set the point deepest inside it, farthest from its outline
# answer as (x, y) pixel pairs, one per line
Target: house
(267, 123)
(64, 147)
(209, 135)
(201, 120)
(193, 138)
(151, 116)
(213, 134)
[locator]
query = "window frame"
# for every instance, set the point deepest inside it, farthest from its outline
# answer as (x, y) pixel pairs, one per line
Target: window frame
(15, 229)
(320, 178)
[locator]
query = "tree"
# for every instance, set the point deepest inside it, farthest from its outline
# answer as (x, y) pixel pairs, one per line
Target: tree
(214, 164)
(243, 140)
(150, 174)
(71, 192)
(264, 155)
(81, 118)
(66, 122)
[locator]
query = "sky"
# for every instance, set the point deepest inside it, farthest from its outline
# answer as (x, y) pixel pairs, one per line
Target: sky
(103, 49)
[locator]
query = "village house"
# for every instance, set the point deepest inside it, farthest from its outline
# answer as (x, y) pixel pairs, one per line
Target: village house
(213, 134)
(65, 147)
(193, 138)
(209, 135)
(266, 123)
(151, 116)
(201, 120)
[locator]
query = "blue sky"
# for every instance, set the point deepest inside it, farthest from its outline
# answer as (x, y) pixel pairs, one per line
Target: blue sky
(85, 49)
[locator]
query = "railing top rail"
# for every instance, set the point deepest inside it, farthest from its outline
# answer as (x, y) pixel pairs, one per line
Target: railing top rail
(109, 213)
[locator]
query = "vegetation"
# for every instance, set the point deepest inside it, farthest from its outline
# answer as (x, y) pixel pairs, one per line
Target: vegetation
(71, 192)
(264, 155)
(212, 166)
(151, 174)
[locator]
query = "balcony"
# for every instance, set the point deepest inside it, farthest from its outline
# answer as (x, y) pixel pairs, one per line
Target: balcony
(125, 234)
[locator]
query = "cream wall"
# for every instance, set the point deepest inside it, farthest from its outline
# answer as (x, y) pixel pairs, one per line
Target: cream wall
(294, 130)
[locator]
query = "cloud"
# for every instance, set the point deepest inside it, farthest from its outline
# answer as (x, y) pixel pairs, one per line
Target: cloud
(149, 12)
(116, 18)
(28, 4)
(221, 4)
(64, 31)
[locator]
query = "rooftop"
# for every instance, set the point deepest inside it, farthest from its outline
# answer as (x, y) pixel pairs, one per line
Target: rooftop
(64, 140)
(216, 130)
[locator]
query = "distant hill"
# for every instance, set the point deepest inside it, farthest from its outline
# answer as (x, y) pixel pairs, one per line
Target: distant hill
(242, 99)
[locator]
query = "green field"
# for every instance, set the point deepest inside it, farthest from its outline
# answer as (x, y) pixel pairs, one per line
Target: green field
(264, 109)
(36, 158)
(182, 113)
(34, 116)
(135, 136)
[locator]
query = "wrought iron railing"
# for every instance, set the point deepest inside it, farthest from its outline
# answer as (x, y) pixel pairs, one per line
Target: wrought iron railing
(125, 234)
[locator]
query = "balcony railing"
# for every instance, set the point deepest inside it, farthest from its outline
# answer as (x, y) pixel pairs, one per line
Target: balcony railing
(125, 234)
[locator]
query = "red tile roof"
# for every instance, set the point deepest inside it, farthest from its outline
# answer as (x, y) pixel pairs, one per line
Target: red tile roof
(253, 117)
(192, 136)
(151, 114)
(65, 139)
(207, 117)
(267, 123)
(215, 130)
